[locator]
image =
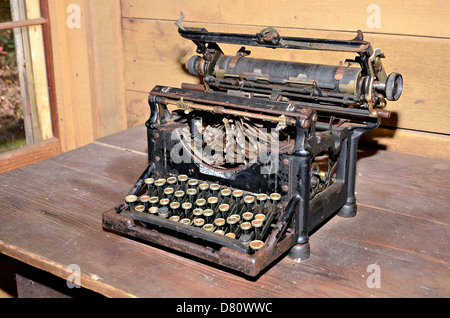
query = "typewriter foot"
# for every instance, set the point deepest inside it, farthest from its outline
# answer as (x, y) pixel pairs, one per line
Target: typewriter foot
(300, 252)
(348, 210)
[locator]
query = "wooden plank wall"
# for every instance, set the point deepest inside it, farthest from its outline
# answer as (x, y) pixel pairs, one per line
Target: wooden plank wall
(105, 68)
(89, 71)
(412, 34)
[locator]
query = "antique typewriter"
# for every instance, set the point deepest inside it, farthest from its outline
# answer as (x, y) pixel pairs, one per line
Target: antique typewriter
(244, 167)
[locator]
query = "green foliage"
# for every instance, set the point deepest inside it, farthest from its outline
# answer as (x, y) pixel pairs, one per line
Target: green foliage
(7, 47)
(11, 145)
(7, 40)
(7, 44)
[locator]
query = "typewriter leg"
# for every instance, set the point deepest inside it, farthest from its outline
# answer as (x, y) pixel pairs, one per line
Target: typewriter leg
(301, 251)
(349, 209)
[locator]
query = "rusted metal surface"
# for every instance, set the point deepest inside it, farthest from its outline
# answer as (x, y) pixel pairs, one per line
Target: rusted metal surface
(194, 87)
(233, 102)
(222, 110)
(271, 40)
(228, 254)
(360, 82)
(259, 129)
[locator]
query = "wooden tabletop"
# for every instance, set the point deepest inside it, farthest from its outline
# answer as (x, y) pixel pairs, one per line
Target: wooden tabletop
(51, 217)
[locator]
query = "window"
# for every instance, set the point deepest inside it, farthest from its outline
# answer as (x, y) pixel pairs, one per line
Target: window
(28, 126)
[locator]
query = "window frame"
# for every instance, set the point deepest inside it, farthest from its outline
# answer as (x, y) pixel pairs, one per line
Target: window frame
(48, 148)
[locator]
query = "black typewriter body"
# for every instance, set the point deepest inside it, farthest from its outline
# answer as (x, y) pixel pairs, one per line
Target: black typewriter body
(243, 168)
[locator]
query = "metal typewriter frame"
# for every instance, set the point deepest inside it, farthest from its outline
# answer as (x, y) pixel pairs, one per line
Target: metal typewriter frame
(301, 215)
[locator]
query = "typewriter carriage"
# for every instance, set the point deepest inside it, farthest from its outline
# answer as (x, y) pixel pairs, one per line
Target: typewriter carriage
(309, 132)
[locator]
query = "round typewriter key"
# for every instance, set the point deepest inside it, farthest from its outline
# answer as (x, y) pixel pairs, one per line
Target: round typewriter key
(262, 197)
(208, 213)
(219, 222)
(256, 245)
(171, 181)
(249, 200)
(247, 216)
(131, 200)
(198, 212)
(174, 218)
(199, 222)
(164, 208)
(220, 232)
(140, 208)
(275, 199)
(225, 193)
(214, 188)
(212, 202)
(232, 235)
(160, 182)
(204, 190)
(149, 182)
(236, 216)
(163, 212)
(164, 202)
(231, 220)
(193, 183)
(179, 195)
(144, 200)
(200, 203)
(192, 193)
(237, 194)
(245, 226)
(208, 227)
(187, 207)
(182, 178)
(185, 221)
(153, 210)
(159, 186)
(260, 217)
(257, 224)
(168, 192)
(175, 206)
(224, 208)
(153, 201)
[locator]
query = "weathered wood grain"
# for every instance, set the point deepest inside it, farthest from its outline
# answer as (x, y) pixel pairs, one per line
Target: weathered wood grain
(398, 17)
(24, 156)
(51, 217)
(155, 55)
(88, 61)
